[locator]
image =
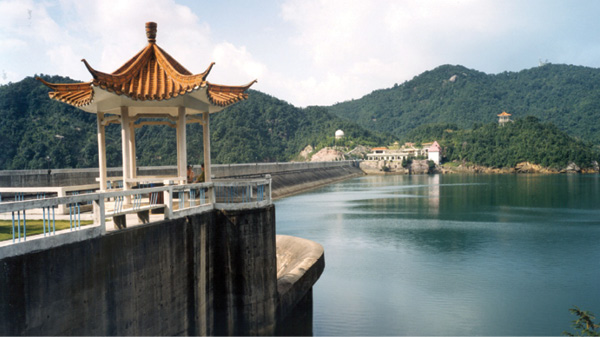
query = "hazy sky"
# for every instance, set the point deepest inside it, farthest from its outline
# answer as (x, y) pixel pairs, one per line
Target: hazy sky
(307, 52)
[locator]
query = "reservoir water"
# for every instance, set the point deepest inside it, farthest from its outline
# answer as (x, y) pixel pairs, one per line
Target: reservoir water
(451, 254)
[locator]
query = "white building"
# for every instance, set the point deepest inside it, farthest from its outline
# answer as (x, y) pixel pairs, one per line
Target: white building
(339, 134)
(434, 153)
(408, 150)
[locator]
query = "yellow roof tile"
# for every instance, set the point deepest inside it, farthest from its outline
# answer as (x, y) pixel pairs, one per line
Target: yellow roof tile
(76, 94)
(151, 75)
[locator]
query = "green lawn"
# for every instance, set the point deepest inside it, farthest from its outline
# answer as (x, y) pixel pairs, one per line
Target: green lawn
(33, 227)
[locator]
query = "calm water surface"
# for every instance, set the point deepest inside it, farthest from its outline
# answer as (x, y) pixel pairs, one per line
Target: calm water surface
(452, 254)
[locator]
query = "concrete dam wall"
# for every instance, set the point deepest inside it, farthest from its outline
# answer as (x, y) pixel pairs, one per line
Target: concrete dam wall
(215, 273)
(288, 178)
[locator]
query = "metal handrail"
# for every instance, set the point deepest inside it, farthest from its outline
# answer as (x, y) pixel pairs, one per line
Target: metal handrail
(245, 194)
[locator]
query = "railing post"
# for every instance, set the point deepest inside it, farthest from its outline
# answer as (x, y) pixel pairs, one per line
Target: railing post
(212, 194)
(99, 213)
(168, 196)
(268, 177)
(62, 208)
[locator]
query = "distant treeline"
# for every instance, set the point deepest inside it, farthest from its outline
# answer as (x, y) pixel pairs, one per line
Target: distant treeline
(493, 145)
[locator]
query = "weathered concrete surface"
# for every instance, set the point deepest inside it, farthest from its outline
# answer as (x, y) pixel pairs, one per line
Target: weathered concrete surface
(300, 263)
(293, 182)
(131, 282)
(245, 288)
(215, 273)
(208, 274)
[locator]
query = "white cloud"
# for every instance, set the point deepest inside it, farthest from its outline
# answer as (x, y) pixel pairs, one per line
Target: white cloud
(115, 30)
(106, 34)
(373, 44)
(63, 58)
(311, 51)
(235, 64)
(27, 34)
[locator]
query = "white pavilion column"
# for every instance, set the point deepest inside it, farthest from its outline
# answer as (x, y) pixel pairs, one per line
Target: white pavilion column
(132, 160)
(181, 143)
(101, 151)
(125, 145)
(206, 141)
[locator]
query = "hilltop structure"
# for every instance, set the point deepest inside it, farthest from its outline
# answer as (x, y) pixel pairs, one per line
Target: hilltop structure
(151, 85)
(339, 134)
(504, 118)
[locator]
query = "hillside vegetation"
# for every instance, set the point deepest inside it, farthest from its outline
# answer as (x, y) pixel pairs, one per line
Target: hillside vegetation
(555, 107)
(37, 132)
(525, 140)
(566, 95)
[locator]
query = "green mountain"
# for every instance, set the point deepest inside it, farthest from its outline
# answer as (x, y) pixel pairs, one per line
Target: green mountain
(37, 132)
(566, 95)
(524, 140)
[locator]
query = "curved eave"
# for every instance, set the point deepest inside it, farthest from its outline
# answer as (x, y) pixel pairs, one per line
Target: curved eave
(75, 94)
(225, 95)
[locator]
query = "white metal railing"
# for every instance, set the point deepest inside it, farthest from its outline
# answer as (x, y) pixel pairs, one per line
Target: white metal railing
(44, 192)
(178, 201)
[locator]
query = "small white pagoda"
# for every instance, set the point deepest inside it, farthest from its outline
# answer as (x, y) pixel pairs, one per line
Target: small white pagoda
(152, 84)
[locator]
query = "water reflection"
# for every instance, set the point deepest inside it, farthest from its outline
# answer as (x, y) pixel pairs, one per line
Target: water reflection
(443, 255)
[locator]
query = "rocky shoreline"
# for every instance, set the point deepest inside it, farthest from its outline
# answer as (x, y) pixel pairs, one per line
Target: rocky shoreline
(423, 167)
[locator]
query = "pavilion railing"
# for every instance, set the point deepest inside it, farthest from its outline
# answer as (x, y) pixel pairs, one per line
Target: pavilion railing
(23, 218)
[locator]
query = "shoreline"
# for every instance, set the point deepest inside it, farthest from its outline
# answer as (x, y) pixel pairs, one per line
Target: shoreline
(455, 168)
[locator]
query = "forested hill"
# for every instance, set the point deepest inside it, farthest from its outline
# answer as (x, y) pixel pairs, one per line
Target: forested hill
(524, 140)
(566, 95)
(37, 132)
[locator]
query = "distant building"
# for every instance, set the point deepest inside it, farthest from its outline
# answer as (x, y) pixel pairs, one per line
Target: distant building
(339, 134)
(434, 153)
(504, 118)
(408, 150)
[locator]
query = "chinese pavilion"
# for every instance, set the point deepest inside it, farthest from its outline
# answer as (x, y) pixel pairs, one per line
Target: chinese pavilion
(504, 118)
(152, 84)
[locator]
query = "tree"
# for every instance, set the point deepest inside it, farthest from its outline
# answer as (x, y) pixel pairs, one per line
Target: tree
(584, 324)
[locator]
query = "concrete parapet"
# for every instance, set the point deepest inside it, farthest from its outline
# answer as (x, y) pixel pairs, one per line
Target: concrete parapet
(211, 273)
(69, 177)
(300, 263)
(288, 178)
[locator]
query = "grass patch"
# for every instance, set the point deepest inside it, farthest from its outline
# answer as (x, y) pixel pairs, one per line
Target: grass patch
(34, 227)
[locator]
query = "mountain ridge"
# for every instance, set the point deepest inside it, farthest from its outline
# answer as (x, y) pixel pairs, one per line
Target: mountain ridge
(565, 95)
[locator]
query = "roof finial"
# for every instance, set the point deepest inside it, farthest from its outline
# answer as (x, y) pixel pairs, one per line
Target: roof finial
(151, 31)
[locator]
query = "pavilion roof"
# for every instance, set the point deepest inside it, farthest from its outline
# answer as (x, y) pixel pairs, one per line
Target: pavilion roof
(504, 113)
(151, 75)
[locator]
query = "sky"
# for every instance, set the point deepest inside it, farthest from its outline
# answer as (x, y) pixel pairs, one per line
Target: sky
(306, 52)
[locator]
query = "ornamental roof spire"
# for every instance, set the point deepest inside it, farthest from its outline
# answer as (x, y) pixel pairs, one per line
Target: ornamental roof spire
(151, 31)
